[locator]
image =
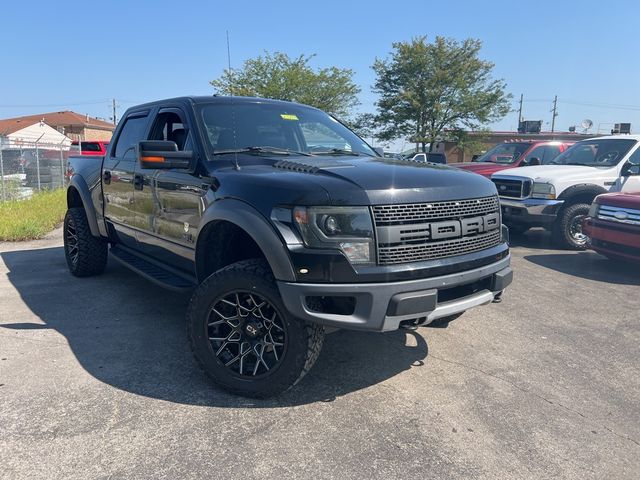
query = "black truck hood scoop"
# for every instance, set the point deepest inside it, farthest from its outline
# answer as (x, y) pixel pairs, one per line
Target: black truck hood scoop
(302, 166)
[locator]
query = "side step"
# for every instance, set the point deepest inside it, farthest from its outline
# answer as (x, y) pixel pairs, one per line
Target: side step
(151, 270)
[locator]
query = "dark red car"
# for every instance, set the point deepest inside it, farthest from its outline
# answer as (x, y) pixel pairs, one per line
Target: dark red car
(514, 154)
(89, 147)
(613, 226)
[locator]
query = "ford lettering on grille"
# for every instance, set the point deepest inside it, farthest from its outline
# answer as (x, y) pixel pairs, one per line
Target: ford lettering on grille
(417, 232)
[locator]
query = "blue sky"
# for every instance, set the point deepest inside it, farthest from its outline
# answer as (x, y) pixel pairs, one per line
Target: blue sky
(73, 55)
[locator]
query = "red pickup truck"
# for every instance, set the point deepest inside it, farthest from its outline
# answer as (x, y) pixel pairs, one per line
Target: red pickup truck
(514, 154)
(613, 226)
(89, 147)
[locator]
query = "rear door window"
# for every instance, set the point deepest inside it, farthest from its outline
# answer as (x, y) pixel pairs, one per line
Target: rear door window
(132, 132)
(550, 152)
(91, 147)
(537, 152)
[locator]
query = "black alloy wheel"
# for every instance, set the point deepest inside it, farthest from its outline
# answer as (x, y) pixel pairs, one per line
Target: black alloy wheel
(246, 334)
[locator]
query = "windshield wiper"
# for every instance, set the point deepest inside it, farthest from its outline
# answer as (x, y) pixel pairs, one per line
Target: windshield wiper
(260, 150)
(339, 151)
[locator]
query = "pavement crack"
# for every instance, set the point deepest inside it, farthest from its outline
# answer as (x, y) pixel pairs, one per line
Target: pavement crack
(544, 399)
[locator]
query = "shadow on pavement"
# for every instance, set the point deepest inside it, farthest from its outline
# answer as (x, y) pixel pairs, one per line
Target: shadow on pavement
(130, 334)
(535, 238)
(589, 265)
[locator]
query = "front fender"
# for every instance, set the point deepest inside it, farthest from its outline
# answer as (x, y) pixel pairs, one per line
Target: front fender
(257, 227)
(582, 190)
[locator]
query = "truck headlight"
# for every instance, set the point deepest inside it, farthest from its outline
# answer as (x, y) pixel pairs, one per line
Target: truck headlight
(348, 229)
(593, 210)
(543, 190)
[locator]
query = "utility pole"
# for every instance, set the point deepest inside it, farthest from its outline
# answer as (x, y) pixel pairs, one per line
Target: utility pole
(113, 106)
(555, 113)
(520, 111)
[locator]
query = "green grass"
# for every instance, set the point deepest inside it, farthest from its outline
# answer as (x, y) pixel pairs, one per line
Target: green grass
(34, 217)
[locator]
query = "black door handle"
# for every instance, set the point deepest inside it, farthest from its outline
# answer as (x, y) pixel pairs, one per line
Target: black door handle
(138, 182)
(106, 177)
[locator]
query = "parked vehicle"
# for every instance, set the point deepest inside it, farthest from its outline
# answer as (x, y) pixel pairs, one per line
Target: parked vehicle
(89, 147)
(613, 225)
(514, 154)
(558, 196)
(280, 236)
(394, 156)
(430, 157)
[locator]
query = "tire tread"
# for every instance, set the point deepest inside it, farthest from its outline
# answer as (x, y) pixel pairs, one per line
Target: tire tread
(92, 251)
(257, 267)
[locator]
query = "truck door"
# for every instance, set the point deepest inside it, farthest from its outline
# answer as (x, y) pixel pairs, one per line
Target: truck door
(118, 178)
(630, 181)
(169, 206)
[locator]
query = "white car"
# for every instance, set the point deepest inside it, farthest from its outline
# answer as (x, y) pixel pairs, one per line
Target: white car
(558, 195)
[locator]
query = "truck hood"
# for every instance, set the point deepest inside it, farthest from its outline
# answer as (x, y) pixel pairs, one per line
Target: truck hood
(486, 169)
(355, 180)
(623, 200)
(557, 173)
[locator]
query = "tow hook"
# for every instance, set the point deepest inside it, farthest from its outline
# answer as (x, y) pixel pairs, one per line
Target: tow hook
(413, 324)
(497, 298)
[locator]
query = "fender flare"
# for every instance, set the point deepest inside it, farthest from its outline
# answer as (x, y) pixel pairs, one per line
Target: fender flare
(82, 188)
(257, 227)
(581, 189)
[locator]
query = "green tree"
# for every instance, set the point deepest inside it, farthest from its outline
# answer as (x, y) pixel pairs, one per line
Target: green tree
(427, 88)
(278, 76)
(470, 143)
(363, 124)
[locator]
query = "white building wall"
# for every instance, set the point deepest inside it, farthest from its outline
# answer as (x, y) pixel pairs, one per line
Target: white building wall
(46, 136)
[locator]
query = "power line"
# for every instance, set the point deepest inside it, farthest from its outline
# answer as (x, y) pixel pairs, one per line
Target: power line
(580, 103)
(51, 105)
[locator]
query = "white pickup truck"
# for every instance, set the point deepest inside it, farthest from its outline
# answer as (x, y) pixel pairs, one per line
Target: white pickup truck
(558, 195)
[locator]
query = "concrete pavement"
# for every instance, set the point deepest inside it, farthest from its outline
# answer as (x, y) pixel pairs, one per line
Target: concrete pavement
(97, 381)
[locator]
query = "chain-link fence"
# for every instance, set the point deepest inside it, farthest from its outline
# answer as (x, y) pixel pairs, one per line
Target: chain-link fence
(26, 168)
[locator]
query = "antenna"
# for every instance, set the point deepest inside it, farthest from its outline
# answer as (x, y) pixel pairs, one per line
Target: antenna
(586, 124)
(229, 60)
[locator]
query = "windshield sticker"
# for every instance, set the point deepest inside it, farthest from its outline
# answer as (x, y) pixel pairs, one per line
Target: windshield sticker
(288, 116)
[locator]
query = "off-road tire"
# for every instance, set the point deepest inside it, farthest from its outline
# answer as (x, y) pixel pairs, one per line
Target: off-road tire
(303, 340)
(91, 258)
(562, 230)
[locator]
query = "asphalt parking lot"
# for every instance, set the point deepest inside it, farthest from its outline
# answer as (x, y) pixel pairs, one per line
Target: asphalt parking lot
(97, 381)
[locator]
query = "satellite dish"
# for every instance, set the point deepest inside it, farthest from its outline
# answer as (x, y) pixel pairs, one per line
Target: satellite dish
(587, 124)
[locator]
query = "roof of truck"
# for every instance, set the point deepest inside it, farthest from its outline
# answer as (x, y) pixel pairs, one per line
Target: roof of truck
(217, 99)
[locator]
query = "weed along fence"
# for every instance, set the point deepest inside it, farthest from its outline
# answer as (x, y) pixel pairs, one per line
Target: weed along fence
(28, 167)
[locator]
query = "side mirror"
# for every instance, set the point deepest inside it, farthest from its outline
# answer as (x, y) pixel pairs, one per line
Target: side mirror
(629, 169)
(475, 157)
(379, 151)
(163, 154)
(534, 161)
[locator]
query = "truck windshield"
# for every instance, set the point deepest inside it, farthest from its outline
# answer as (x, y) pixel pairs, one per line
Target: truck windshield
(269, 127)
(504, 153)
(595, 153)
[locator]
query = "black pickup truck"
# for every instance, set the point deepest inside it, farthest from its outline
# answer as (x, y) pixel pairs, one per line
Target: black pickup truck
(282, 222)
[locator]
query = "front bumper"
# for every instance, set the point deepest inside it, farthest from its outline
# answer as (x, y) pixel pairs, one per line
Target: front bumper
(532, 211)
(383, 306)
(612, 238)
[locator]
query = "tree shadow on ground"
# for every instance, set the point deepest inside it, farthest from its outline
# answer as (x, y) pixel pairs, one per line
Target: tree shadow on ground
(129, 333)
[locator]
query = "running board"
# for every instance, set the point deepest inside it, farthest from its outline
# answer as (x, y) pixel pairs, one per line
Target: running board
(151, 270)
